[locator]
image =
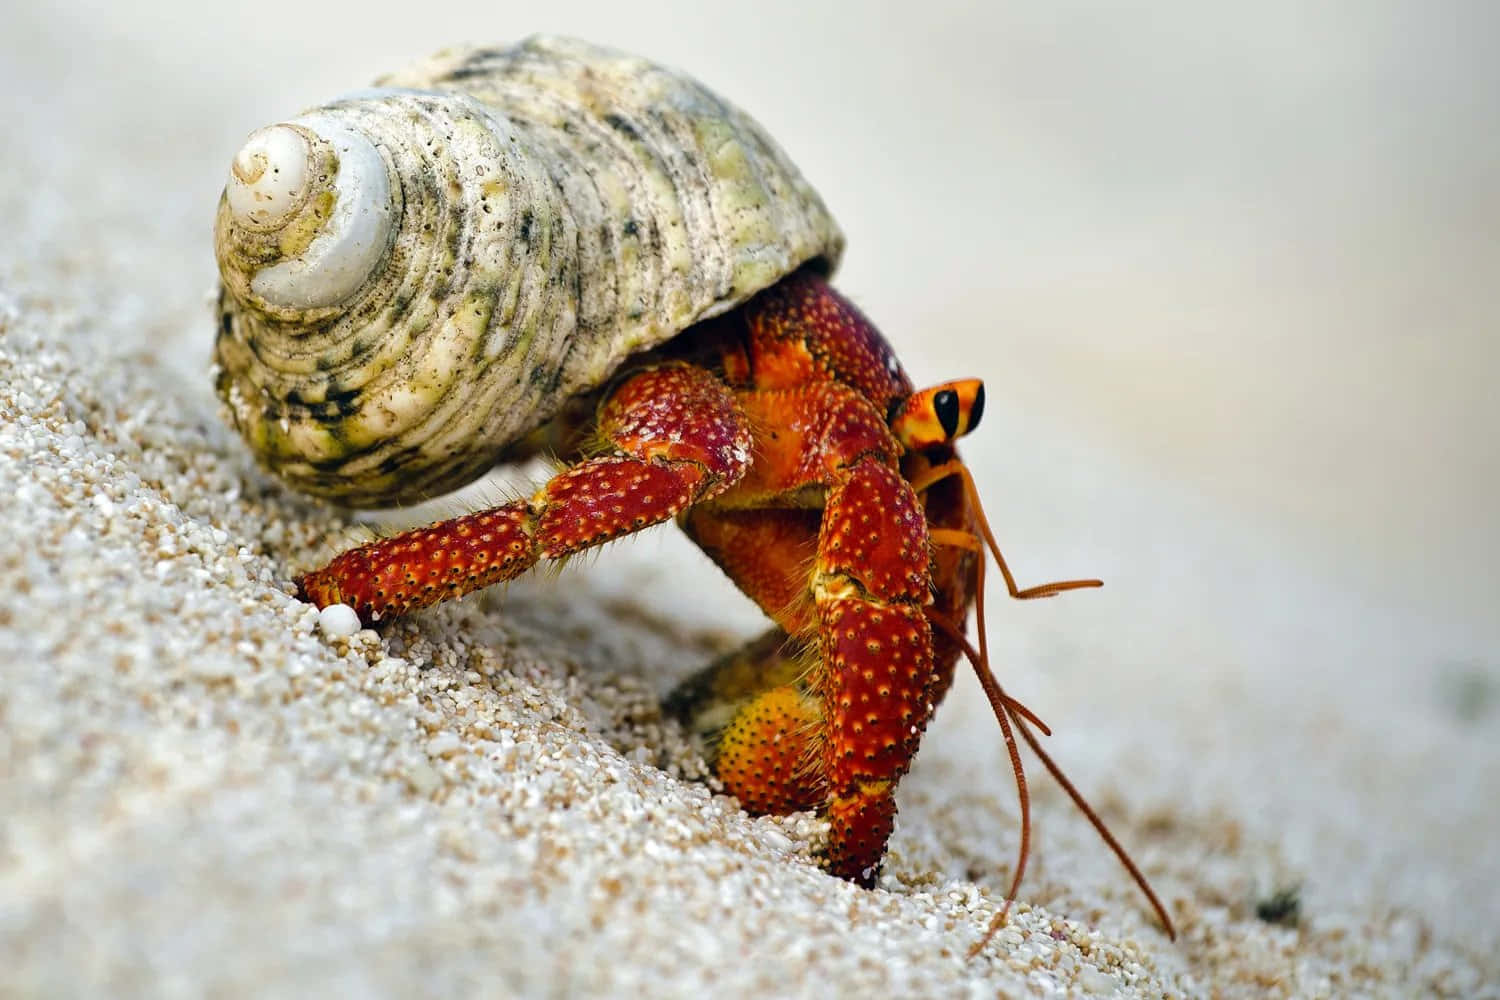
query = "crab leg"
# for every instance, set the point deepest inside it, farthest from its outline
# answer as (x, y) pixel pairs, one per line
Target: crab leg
(678, 437)
(759, 722)
(753, 708)
(848, 727)
(870, 586)
(850, 586)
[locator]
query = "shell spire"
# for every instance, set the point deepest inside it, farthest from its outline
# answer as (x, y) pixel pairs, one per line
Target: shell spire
(416, 275)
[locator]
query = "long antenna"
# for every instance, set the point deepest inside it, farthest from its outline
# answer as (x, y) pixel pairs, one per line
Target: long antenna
(1010, 713)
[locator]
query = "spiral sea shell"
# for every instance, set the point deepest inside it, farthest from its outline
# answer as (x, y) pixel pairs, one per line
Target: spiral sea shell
(415, 276)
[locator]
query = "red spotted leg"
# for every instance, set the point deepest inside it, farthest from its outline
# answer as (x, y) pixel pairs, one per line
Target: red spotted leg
(849, 726)
(678, 437)
(869, 586)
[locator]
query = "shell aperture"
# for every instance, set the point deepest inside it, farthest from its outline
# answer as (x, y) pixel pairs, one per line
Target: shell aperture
(415, 276)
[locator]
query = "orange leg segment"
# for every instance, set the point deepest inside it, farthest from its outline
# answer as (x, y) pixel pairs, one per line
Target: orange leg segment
(679, 437)
(759, 722)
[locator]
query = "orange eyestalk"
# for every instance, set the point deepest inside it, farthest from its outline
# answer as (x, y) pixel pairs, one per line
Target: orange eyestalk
(939, 415)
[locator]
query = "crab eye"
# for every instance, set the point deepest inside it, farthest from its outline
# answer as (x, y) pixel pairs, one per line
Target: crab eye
(945, 406)
(976, 409)
(930, 417)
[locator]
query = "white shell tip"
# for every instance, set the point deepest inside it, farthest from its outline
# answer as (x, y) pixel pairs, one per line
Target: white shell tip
(268, 178)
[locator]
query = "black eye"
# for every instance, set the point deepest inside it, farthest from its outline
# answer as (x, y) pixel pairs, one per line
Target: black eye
(977, 410)
(945, 405)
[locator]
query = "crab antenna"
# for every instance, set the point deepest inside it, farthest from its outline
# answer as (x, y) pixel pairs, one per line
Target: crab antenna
(999, 703)
(1007, 709)
(986, 677)
(1093, 817)
(1050, 590)
(956, 467)
(1003, 705)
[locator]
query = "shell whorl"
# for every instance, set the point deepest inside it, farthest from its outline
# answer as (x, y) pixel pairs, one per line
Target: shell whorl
(417, 275)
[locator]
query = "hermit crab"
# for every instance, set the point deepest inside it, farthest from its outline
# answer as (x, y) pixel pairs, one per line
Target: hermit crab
(557, 248)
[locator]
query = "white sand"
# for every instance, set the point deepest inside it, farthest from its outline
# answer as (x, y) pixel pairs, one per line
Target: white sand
(1292, 680)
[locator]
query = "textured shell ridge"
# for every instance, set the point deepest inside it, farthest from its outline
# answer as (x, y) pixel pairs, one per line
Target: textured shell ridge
(554, 207)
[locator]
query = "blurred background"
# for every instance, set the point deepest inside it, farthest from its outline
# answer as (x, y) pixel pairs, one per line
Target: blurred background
(1229, 273)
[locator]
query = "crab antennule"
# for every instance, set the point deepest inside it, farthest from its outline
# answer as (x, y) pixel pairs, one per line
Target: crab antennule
(956, 467)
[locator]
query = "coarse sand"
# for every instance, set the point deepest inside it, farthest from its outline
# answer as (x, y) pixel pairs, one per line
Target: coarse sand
(202, 792)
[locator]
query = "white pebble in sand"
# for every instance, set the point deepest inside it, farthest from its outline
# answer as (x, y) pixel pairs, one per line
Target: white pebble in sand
(338, 621)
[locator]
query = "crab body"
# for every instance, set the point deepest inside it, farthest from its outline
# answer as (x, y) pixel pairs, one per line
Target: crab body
(557, 247)
(766, 434)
